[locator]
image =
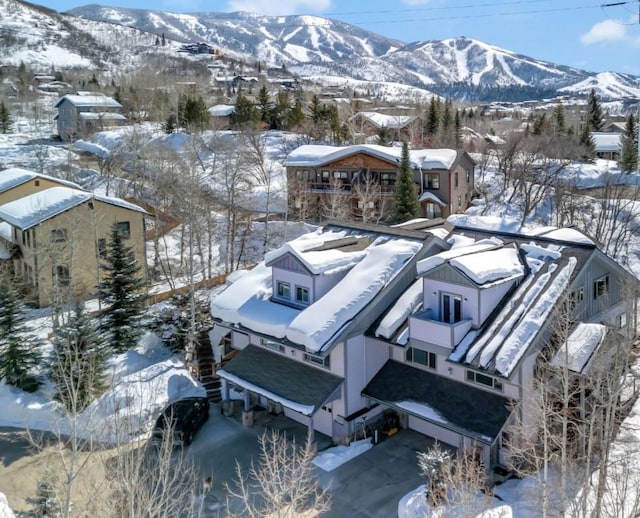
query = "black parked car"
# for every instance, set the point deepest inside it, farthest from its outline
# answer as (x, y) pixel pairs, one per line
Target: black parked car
(183, 418)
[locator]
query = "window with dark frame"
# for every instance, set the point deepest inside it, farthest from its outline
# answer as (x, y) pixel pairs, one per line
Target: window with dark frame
(483, 379)
(124, 229)
(426, 358)
(302, 294)
(283, 290)
(455, 179)
(59, 235)
(61, 275)
(102, 248)
(601, 287)
(432, 181)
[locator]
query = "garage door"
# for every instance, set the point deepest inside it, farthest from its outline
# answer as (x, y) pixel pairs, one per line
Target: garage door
(436, 432)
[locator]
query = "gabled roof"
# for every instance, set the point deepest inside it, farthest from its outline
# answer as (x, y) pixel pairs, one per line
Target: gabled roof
(222, 110)
(382, 120)
(334, 255)
(14, 176)
(312, 155)
(247, 302)
(102, 116)
(31, 210)
(606, 142)
(89, 100)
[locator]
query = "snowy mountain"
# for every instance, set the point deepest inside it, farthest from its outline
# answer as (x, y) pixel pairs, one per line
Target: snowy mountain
(45, 39)
(274, 39)
(99, 37)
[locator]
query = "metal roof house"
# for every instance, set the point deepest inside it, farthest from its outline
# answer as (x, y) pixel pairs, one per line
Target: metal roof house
(442, 325)
(85, 112)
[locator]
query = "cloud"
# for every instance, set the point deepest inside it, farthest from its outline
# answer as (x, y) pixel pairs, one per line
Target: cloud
(279, 7)
(607, 30)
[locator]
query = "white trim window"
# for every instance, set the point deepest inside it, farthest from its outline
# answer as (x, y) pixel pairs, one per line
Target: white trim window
(283, 289)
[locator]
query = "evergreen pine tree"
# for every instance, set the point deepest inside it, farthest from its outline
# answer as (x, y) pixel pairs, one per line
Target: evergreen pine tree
(588, 144)
(447, 122)
(316, 109)
(19, 350)
(433, 117)
(164, 41)
(263, 103)
(170, 125)
(5, 118)
(122, 293)
(559, 119)
(157, 41)
(47, 504)
(295, 117)
(629, 154)
(385, 136)
(458, 130)
(405, 205)
(245, 113)
(594, 112)
(78, 363)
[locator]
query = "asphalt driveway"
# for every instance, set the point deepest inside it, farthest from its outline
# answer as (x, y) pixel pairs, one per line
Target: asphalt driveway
(370, 485)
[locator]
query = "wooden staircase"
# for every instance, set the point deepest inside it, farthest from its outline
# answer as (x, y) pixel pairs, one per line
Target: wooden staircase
(203, 367)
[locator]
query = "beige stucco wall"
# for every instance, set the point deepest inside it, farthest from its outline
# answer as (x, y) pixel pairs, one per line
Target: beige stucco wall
(84, 227)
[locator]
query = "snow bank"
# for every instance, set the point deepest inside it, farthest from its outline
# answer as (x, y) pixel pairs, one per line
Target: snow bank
(492, 265)
(142, 387)
(5, 511)
(333, 458)
(460, 247)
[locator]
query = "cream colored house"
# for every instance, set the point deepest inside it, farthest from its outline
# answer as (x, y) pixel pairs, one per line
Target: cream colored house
(59, 235)
(16, 183)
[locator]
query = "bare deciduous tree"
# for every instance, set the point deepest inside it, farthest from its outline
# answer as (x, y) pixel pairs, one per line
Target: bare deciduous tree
(281, 484)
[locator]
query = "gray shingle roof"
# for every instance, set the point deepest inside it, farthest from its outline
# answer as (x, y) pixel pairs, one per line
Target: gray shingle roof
(462, 407)
(284, 377)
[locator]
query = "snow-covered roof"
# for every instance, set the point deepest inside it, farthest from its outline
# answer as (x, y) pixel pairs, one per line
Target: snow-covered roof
(580, 347)
(102, 116)
(606, 142)
(14, 176)
(490, 266)
(222, 110)
(381, 120)
(409, 302)
(313, 155)
(94, 100)
(319, 259)
(248, 301)
(429, 196)
(31, 210)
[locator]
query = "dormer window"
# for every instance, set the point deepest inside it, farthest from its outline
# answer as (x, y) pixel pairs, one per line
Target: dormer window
(302, 295)
(284, 290)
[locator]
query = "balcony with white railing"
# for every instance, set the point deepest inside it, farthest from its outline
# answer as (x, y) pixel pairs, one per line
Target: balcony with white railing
(425, 326)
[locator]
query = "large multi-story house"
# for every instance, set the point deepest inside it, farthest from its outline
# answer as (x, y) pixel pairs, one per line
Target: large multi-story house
(400, 127)
(58, 236)
(364, 178)
(443, 326)
(84, 112)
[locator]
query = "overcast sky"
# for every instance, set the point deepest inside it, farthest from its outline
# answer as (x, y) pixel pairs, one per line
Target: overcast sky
(579, 33)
